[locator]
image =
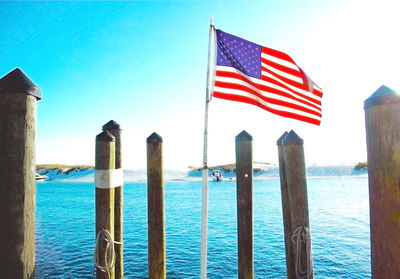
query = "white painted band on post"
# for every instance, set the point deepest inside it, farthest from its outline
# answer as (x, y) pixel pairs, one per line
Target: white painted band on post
(107, 179)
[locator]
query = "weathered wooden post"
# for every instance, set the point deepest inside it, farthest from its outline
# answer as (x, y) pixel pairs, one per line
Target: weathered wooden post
(382, 119)
(114, 129)
(18, 96)
(155, 201)
(244, 178)
(105, 183)
(287, 223)
(295, 172)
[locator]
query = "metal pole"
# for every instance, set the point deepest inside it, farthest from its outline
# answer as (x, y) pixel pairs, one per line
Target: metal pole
(204, 219)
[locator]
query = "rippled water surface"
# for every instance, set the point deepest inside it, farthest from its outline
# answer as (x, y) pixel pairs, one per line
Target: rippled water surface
(339, 220)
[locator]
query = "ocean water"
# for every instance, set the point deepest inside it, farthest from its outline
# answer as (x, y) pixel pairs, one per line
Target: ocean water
(339, 221)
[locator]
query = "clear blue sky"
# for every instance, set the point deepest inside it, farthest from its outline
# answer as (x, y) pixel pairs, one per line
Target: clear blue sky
(143, 64)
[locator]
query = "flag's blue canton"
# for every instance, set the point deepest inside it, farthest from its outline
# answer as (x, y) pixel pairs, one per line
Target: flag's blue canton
(235, 52)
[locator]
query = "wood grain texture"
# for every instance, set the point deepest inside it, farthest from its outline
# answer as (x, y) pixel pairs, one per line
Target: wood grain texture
(287, 222)
(295, 173)
(17, 185)
(155, 205)
(114, 129)
(244, 178)
(382, 118)
(105, 160)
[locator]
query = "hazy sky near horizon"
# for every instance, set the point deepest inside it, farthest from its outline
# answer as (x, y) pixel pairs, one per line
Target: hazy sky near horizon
(143, 64)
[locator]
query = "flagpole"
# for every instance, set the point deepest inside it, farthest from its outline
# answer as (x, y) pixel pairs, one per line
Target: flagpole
(204, 219)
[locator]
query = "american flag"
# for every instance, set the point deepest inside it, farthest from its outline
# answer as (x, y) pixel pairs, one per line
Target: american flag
(258, 75)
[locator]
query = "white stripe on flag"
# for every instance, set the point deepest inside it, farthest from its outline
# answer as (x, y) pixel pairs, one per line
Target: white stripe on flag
(272, 106)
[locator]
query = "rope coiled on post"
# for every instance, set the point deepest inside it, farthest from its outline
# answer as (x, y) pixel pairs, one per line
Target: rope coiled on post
(109, 251)
(301, 236)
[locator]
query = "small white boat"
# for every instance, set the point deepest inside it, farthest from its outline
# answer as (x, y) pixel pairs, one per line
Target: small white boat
(40, 177)
(217, 175)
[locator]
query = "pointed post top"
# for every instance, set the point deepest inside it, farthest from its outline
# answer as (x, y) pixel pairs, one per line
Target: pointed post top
(105, 136)
(243, 136)
(279, 141)
(17, 82)
(292, 138)
(383, 96)
(154, 137)
(111, 125)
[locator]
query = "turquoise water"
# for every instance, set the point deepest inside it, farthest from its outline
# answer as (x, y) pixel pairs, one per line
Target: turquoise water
(339, 220)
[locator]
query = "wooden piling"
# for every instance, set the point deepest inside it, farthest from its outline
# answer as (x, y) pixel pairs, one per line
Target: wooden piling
(295, 172)
(244, 178)
(105, 161)
(18, 96)
(114, 129)
(382, 119)
(287, 223)
(155, 199)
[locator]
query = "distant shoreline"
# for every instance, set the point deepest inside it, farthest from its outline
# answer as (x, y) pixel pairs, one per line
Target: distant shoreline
(85, 173)
(62, 166)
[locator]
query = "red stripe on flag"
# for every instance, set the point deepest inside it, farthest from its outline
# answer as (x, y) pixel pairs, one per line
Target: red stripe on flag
(285, 69)
(317, 92)
(277, 54)
(243, 99)
(289, 81)
(282, 84)
(281, 67)
(311, 102)
(266, 99)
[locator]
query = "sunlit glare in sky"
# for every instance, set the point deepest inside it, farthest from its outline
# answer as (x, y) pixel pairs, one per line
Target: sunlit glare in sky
(144, 63)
